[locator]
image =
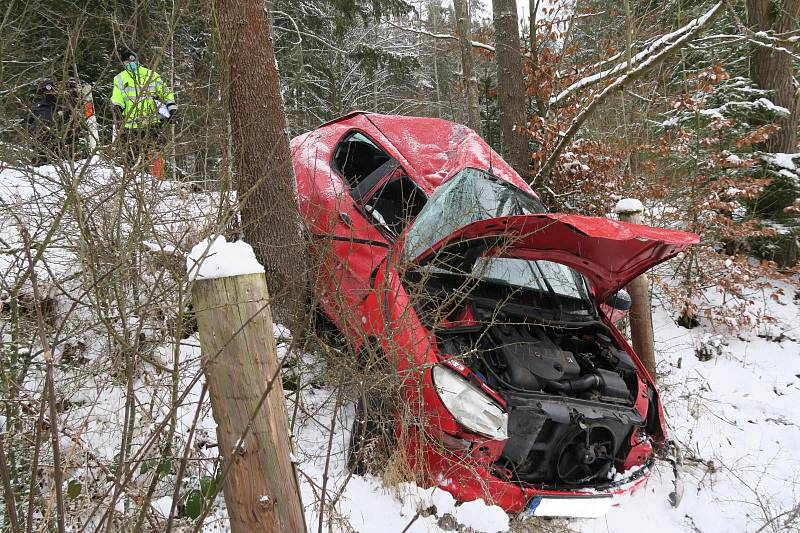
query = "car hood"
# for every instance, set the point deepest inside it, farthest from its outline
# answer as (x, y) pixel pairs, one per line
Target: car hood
(607, 252)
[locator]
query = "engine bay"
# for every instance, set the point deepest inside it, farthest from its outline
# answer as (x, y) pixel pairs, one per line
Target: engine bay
(570, 389)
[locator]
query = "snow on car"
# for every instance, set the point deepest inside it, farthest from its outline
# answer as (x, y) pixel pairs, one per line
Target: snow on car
(494, 311)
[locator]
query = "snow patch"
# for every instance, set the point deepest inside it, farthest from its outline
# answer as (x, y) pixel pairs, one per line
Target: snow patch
(629, 205)
(476, 514)
(782, 160)
(221, 259)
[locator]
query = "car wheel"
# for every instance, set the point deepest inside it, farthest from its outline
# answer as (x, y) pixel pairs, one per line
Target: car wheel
(372, 439)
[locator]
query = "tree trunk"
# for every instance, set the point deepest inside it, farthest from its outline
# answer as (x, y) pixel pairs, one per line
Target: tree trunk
(771, 69)
(541, 108)
(264, 171)
(463, 23)
(511, 96)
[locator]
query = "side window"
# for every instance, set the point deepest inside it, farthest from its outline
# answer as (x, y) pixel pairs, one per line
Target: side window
(357, 157)
(395, 204)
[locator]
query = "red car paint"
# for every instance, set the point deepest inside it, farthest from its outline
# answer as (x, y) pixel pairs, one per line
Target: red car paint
(360, 286)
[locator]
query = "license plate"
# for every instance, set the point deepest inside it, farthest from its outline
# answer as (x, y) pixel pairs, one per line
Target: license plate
(569, 506)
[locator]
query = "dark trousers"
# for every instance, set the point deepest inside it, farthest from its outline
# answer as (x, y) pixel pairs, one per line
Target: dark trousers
(142, 145)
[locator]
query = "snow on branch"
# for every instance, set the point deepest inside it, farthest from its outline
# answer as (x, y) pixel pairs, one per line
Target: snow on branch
(476, 44)
(665, 42)
(639, 68)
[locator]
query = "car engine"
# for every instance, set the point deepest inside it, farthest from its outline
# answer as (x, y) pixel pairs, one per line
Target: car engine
(570, 391)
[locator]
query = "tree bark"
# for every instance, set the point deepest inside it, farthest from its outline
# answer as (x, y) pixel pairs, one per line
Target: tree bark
(511, 95)
(264, 172)
(244, 385)
(541, 109)
(463, 22)
(771, 69)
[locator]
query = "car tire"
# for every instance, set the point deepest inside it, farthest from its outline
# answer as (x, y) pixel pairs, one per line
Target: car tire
(372, 437)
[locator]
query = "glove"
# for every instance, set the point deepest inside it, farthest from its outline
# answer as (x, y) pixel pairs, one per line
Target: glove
(116, 111)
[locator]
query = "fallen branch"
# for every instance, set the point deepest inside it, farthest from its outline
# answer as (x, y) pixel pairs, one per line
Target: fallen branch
(636, 72)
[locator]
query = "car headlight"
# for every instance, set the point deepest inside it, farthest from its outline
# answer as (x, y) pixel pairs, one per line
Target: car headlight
(469, 404)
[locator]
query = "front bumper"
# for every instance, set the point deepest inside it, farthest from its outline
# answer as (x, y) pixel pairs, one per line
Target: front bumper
(467, 481)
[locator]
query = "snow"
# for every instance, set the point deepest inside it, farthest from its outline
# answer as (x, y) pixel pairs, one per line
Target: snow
(629, 205)
(782, 160)
(733, 415)
(733, 159)
(218, 258)
(767, 104)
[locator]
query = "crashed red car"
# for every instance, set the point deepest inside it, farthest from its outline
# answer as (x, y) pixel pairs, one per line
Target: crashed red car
(496, 311)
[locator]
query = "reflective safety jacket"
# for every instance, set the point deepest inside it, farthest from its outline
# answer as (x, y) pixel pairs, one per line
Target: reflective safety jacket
(136, 94)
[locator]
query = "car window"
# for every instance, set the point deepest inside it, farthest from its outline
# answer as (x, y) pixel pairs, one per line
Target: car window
(395, 204)
(471, 195)
(543, 276)
(357, 156)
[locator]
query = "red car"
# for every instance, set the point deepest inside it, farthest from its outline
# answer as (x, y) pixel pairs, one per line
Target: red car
(495, 312)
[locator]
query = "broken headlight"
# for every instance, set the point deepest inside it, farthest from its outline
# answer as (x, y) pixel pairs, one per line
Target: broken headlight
(469, 405)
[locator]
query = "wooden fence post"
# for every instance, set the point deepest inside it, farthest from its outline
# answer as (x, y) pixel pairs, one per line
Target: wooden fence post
(239, 360)
(641, 313)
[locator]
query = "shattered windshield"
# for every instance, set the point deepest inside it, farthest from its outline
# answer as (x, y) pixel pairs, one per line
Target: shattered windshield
(475, 195)
(470, 196)
(544, 276)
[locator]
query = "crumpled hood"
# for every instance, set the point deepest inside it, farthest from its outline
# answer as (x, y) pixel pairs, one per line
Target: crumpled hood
(607, 252)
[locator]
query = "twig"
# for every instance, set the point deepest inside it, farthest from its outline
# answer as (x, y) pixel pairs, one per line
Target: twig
(11, 502)
(328, 455)
(697, 25)
(447, 36)
(185, 459)
(408, 526)
(49, 388)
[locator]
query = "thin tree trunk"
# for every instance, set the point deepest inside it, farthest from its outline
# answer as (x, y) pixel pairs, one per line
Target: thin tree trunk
(541, 108)
(771, 69)
(510, 87)
(264, 171)
(463, 22)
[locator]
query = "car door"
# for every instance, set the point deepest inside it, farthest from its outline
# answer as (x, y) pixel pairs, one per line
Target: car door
(354, 246)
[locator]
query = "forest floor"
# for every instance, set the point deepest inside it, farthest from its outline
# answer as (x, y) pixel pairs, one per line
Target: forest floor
(735, 415)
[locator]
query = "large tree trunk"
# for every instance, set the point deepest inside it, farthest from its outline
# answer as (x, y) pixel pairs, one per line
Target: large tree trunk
(771, 69)
(463, 23)
(264, 171)
(510, 87)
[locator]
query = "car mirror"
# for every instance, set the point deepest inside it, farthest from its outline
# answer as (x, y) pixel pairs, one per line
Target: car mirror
(620, 300)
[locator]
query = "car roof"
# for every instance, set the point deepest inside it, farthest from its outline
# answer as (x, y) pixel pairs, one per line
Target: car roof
(431, 150)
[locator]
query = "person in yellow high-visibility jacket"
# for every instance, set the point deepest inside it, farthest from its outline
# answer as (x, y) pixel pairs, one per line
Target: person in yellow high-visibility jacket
(142, 103)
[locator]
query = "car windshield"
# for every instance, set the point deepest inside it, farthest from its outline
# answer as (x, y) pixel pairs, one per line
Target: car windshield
(475, 195)
(544, 276)
(470, 196)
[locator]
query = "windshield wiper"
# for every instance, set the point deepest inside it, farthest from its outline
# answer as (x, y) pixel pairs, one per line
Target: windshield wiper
(553, 295)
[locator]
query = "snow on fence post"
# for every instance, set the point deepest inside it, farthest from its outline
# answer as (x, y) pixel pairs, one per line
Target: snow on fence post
(244, 384)
(641, 317)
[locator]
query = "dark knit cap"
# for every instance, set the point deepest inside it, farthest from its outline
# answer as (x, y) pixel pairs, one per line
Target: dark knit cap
(126, 54)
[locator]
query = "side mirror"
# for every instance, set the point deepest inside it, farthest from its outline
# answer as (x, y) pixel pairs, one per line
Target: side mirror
(620, 300)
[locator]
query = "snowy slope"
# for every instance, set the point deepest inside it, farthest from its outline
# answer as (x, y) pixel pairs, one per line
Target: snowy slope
(735, 417)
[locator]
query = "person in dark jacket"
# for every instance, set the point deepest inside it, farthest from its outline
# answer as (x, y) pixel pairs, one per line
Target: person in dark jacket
(49, 124)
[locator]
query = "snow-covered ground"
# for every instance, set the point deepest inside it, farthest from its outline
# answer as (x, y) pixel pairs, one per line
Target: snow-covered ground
(735, 414)
(736, 418)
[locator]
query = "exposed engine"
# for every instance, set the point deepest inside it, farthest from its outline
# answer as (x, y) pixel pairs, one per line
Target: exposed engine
(570, 391)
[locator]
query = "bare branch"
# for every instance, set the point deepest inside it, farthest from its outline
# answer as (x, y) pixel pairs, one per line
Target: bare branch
(447, 36)
(636, 72)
